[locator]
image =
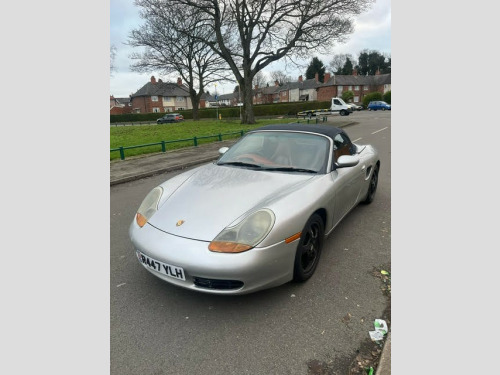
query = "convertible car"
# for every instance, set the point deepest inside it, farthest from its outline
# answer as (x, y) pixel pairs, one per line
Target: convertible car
(257, 217)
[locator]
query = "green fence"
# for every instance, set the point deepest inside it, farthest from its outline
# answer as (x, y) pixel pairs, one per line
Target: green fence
(195, 140)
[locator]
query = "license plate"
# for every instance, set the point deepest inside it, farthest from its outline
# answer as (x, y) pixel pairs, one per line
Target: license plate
(164, 268)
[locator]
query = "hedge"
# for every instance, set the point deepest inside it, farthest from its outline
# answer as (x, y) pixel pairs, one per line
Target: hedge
(278, 109)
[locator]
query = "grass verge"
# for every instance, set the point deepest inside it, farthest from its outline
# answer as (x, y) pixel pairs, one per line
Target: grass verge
(135, 135)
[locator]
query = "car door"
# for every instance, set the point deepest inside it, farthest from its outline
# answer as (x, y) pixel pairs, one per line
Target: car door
(348, 180)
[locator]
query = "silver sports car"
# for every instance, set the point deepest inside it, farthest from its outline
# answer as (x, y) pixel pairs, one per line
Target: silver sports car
(257, 217)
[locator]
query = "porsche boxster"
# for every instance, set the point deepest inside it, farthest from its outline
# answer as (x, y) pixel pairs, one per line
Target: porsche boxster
(257, 217)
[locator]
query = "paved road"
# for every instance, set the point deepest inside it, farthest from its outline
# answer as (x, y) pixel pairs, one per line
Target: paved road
(157, 328)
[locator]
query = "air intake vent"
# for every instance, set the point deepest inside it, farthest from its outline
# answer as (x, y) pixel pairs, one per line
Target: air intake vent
(217, 284)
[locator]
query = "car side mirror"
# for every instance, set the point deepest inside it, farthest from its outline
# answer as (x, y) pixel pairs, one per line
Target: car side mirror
(347, 161)
(223, 150)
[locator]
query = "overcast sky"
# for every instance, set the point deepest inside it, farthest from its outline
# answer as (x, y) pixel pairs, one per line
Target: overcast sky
(372, 32)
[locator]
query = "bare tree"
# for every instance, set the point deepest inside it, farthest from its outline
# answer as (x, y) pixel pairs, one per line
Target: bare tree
(251, 34)
(259, 79)
(281, 77)
(112, 56)
(175, 44)
(339, 61)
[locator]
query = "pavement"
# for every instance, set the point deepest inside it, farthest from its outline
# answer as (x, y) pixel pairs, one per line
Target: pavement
(137, 167)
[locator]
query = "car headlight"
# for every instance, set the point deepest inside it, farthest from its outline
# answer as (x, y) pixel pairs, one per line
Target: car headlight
(245, 235)
(148, 206)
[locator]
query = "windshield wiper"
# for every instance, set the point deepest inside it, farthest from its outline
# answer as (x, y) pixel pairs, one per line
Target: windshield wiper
(240, 164)
(290, 169)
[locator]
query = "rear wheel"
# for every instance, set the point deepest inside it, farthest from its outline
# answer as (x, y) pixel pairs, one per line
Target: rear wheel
(373, 187)
(309, 249)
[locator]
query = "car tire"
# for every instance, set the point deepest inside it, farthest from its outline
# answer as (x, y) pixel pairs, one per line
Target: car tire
(343, 113)
(309, 115)
(372, 188)
(369, 109)
(309, 249)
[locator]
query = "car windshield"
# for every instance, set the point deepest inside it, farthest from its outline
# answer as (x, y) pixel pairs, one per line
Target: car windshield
(281, 151)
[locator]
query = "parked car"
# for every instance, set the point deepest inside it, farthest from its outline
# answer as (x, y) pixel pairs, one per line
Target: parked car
(355, 107)
(257, 217)
(378, 104)
(170, 117)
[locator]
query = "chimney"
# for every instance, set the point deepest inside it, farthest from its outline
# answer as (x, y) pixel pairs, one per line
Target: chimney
(160, 81)
(300, 78)
(316, 77)
(153, 80)
(179, 81)
(327, 78)
(256, 87)
(377, 73)
(276, 83)
(354, 72)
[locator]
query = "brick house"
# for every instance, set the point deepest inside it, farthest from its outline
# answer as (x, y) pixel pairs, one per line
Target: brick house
(359, 85)
(160, 97)
(304, 90)
(119, 106)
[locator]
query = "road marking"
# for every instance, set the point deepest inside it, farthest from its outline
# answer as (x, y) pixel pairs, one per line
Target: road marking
(357, 139)
(380, 130)
(119, 285)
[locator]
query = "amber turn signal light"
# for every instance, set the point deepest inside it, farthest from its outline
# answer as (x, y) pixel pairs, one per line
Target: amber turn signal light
(140, 219)
(228, 247)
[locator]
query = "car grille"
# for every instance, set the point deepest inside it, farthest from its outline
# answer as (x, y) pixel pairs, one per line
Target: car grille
(217, 284)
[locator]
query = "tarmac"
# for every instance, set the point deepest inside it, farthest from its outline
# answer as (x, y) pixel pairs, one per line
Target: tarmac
(135, 168)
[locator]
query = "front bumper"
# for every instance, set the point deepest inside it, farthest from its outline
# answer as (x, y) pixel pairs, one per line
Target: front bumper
(257, 269)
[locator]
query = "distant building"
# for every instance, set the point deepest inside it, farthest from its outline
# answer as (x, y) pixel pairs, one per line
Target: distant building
(160, 97)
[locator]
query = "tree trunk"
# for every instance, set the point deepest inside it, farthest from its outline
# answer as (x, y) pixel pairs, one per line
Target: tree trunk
(248, 117)
(195, 101)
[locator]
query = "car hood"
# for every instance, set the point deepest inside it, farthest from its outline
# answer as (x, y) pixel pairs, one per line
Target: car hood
(215, 196)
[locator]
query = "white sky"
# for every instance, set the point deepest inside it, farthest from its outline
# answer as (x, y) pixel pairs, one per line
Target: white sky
(372, 32)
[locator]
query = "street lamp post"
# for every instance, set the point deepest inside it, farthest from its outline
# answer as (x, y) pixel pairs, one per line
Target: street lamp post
(216, 102)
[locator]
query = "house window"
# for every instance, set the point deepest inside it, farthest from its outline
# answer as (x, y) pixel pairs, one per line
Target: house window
(180, 108)
(167, 109)
(356, 99)
(167, 99)
(156, 110)
(350, 88)
(356, 87)
(340, 88)
(180, 99)
(154, 98)
(365, 88)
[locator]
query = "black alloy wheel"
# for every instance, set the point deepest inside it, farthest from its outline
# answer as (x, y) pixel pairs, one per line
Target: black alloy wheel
(309, 249)
(373, 186)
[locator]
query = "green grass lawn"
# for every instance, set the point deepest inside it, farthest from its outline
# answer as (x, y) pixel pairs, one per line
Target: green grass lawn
(126, 136)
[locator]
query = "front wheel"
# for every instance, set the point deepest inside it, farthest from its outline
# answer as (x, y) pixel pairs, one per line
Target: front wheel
(309, 249)
(373, 187)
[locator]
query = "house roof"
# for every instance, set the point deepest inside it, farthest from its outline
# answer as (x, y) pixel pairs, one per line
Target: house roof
(123, 100)
(352, 80)
(306, 84)
(162, 89)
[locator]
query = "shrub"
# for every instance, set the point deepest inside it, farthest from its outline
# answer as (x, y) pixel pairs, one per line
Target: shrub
(277, 109)
(347, 96)
(387, 97)
(370, 97)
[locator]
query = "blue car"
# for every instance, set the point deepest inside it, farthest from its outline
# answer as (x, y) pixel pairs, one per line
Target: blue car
(378, 104)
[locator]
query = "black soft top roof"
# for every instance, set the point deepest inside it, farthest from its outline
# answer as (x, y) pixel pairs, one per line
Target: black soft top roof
(328, 130)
